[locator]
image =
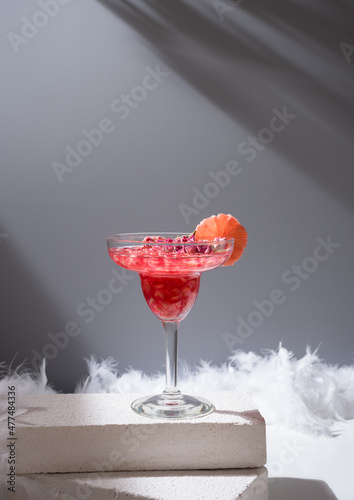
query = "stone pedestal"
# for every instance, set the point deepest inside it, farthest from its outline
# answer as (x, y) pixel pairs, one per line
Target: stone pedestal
(99, 432)
(230, 484)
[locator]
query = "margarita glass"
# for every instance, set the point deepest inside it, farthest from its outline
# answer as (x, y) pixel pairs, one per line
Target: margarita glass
(169, 267)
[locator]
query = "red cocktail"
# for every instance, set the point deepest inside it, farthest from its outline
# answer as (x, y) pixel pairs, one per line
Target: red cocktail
(170, 267)
(170, 278)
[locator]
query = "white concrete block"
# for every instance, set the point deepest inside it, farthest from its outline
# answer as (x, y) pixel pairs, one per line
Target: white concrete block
(241, 484)
(100, 432)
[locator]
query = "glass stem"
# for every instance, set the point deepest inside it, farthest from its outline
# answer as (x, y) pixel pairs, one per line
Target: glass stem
(171, 334)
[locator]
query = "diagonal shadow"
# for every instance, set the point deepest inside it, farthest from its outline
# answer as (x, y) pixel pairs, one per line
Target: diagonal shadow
(251, 416)
(256, 60)
(296, 489)
(28, 313)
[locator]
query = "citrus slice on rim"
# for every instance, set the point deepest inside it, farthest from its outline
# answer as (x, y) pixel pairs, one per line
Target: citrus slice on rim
(223, 226)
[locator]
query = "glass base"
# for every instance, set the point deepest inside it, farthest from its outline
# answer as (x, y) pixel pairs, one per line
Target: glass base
(172, 405)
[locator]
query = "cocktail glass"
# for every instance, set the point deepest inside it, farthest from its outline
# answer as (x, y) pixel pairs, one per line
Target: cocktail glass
(170, 273)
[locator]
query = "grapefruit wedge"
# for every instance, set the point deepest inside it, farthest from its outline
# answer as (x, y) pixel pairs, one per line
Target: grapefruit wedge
(223, 226)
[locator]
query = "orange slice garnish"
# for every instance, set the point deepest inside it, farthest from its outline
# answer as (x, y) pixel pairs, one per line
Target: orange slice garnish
(223, 226)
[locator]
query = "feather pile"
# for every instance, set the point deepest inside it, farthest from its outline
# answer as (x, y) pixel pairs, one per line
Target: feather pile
(306, 395)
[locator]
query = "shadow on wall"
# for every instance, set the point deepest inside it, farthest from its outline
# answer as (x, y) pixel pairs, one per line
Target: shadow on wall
(281, 488)
(259, 57)
(22, 296)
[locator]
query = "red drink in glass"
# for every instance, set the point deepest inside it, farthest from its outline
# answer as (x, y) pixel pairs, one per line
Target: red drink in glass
(170, 281)
(169, 267)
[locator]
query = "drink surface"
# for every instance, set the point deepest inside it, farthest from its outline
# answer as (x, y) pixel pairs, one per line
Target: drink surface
(158, 262)
(170, 281)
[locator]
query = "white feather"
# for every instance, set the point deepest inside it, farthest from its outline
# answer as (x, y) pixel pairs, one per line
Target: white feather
(317, 393)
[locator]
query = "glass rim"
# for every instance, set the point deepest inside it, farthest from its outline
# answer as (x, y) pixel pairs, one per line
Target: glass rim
(134, 238)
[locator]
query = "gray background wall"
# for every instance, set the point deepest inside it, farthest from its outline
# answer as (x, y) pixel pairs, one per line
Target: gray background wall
(226, 67)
